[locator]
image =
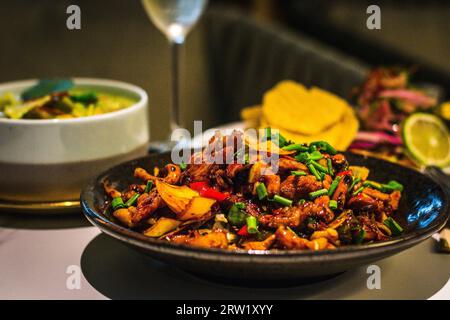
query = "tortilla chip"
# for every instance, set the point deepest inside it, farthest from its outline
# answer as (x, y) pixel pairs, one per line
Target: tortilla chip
(291, 106)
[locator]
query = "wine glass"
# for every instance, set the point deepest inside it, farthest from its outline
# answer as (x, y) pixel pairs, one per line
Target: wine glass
(175, 18)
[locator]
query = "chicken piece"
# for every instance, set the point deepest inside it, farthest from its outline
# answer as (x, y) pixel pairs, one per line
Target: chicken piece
(215, 239)
(363, 202)
(111, 191)
(339, 162)
(294, 187)
(234, 169)
(259, 245)
(340, 194)
(376, 194)
(289, 240)
(173, 173)
(287, 216)
(147, 203)
(394, 200)
(290, 164)
(272, 183)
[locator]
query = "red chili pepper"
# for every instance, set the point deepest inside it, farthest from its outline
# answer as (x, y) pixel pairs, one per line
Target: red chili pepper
(343, 173)
(206, 191)
(243, 231)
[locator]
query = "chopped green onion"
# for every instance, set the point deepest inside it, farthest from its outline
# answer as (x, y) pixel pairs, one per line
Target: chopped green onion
(324, 146)
(301, 201)
(246, 158)
(333, 204)
(318, 193)
(303, 157)
(392, 186)
(252, 225)
(314, 172)
(334, 185)
(319, 166)
(295, 147)
(117, 203)
(282, 200)
(395, 228)
(236, 215)
(132, 200)
(281, 140)
(354, 182)
(315, 155)
(183, 166)
(330, 167)
(261, 191)
(148, 186)
(372, 184)
(298, 173)
(358, 191)
(360, 236)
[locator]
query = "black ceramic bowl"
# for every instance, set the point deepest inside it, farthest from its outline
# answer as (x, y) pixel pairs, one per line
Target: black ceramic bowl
(423, 211)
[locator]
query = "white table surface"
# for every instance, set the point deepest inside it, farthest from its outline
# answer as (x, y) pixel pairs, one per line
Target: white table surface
(34, 262)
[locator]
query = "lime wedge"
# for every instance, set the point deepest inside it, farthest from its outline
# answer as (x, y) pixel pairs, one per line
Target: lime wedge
(427, 140)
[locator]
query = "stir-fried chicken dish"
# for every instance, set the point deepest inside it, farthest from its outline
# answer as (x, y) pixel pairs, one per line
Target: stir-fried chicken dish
(313, 199)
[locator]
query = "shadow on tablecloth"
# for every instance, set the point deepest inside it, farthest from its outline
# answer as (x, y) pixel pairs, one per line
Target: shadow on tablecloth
(119, 272)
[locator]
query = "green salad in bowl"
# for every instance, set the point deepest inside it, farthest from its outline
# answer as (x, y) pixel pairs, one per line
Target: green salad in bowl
(60, 99)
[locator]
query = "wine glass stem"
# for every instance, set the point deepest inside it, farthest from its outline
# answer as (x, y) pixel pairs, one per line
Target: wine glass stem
(175, 103)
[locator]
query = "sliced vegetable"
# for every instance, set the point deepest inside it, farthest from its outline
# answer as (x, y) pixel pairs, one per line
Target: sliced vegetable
(206, 191)
(324, 146)
(298, 173)
(46, 87)
(313, 170)
(117, 203)
(318, 193)
(261, 191)
(236, 214)
(282, 200)
(296, 147)
(395, 228)
(333, 204)
(132, 200)
(161, 227)
(148, 186)
(252, 225)
(334, 185)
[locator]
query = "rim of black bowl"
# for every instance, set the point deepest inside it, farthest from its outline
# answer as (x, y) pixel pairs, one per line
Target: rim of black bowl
(132, 237)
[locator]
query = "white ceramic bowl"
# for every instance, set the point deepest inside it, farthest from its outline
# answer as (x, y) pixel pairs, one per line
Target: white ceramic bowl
(50, 160)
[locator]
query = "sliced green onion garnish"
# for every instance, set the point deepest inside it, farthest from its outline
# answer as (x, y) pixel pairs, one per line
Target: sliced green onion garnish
(330, 167)
(281, 140)
(282, 200)
(358, 191)
(298, 173)
(252, 225)
(319, 167)
(148, 186)
(334, 185)
(392, 186)
(261, 191)
(324, 146)
(393, 226)
(302, 157)
(295, 147)
(372, 184)
(333, 204)
(314, 172)
(315, 155)
(354, 182)
(117, 203)
(318, 193)
(183, 166)
(301, 201)
(360, 236)
(236, 215)
(132, 200)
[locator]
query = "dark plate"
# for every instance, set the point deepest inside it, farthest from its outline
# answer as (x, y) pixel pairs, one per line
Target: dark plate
(423, 211)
